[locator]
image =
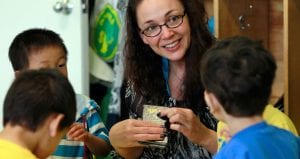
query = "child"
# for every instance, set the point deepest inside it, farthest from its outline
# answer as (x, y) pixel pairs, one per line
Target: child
(271, 115)
(42, 48)
(237, 74)
(39, 108)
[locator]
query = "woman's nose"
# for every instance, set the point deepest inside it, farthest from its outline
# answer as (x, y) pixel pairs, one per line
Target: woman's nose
(166, 32)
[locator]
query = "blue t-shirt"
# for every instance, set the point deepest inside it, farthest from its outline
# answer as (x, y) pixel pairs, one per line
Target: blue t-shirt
(261, 141)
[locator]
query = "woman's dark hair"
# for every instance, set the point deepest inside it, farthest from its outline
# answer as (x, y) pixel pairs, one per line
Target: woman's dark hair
(144, 68)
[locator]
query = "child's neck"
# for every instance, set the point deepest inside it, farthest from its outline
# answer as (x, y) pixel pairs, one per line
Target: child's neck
(237, 124)
(19, 136)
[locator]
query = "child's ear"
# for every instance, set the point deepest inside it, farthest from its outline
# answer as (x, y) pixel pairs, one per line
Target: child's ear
(17, 73)
(207, 98)
(54, 124)
(211, 101)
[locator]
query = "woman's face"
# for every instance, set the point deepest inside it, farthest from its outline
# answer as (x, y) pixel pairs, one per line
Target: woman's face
(171, 43)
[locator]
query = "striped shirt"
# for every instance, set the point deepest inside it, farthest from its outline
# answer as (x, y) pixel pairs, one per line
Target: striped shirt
(88, 111)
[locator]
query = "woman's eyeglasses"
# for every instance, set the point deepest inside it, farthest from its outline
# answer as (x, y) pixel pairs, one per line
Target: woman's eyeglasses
(172, 22)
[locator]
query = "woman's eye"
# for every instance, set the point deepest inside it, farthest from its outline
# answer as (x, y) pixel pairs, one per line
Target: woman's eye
(173, 19)
(62, 65)
(151, 28)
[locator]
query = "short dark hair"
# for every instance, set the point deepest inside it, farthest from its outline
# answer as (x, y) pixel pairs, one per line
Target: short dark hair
(239, 71)
(35, 94)
(29, 41)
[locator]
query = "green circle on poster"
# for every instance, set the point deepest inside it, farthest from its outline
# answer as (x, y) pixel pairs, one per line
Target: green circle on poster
(107, 33)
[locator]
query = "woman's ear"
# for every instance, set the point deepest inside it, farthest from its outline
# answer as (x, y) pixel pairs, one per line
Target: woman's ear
(55, 120)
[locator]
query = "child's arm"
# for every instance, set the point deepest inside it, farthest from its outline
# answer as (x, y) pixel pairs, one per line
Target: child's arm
(96, 145)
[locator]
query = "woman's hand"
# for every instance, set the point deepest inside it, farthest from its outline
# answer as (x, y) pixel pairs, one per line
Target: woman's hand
(127, 133)
(185, 121)
(125, 136)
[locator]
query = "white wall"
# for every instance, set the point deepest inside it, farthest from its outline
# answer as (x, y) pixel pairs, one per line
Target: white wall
(18, 16)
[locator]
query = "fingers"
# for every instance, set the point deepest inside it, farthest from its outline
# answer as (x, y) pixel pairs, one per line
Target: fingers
(183, 120)
(149, 137)
(178, 116)
(148, 130)
(175, 111)
(128, 133)
(186, 122)
(75, 127)
(77, 132)
(144, 130)
(143, 123)
(143, 139)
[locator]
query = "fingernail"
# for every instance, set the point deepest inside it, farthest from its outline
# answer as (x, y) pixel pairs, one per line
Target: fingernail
(165, 131)
(163, 117)
(140, 142)
(158, 114)
(167, 124)
(163, 135)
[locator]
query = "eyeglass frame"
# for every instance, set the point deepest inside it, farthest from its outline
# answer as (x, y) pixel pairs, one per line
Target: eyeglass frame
(165, 24)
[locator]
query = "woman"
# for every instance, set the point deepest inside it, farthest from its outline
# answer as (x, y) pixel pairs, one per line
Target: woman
(164, 44)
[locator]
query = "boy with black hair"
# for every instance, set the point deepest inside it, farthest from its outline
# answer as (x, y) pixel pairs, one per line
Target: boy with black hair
(237, 74)
(42, 48)
(39, 108)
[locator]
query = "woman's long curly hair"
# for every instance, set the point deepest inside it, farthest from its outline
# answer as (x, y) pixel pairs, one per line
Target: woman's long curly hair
(144, 68)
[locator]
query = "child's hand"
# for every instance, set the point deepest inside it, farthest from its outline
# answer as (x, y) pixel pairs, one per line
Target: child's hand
(77, 132)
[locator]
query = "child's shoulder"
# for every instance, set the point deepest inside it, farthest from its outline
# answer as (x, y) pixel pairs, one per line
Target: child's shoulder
(84, 102)
(275, 117)
(83, 99)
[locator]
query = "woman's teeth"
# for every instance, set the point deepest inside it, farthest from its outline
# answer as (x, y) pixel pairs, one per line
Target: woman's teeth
(171, 45)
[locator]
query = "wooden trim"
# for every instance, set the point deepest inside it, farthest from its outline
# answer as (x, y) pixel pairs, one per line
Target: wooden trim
(285, 56)
(292, 55)
(216, 17)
